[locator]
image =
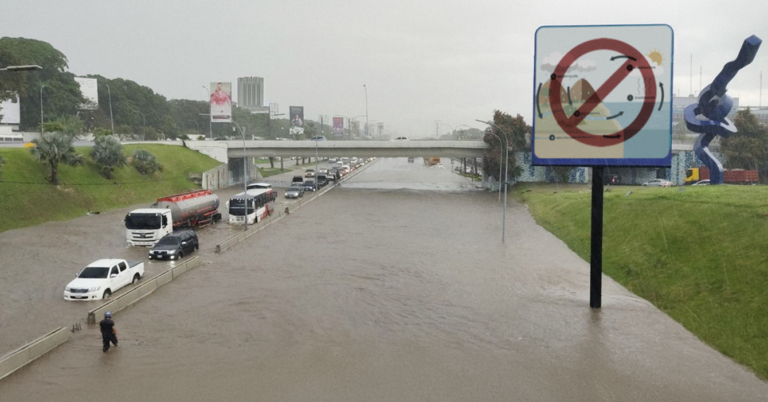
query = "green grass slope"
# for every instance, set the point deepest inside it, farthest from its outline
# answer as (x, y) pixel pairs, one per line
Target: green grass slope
(28, 199)
(700, 254)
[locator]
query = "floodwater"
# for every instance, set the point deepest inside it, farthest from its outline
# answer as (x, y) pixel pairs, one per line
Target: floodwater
(378, 291)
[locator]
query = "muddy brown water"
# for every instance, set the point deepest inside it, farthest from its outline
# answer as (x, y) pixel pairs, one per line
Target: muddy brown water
(393, 287)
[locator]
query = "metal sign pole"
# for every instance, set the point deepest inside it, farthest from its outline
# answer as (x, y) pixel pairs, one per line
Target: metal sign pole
(596, 254)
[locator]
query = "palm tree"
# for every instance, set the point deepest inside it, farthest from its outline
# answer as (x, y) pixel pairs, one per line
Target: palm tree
(55, 148)
(108, 152)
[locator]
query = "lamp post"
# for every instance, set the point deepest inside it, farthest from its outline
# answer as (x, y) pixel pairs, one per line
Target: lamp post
(506, 174)
(111, 119)
(42, 126)
(198, 126)
(366, 111)
(210, 121)
(245, 178)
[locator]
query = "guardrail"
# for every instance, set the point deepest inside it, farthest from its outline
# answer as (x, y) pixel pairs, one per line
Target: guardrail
(31, 351)
(132, 296)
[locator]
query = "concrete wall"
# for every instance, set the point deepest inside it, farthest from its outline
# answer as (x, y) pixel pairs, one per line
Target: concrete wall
(216, 178)
(215, 149)
(31, 351)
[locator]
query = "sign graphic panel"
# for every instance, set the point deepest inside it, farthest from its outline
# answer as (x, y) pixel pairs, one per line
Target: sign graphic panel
(221, 102)
(297, 119)
(338, 126)
(602, 96)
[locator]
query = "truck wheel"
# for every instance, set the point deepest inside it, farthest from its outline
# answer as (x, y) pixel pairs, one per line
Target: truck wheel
(136, 278)
(107, 293)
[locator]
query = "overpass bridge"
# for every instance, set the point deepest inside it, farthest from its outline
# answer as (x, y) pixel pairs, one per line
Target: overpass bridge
(307, 148)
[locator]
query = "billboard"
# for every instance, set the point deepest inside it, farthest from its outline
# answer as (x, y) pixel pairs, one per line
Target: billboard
(221, 102)
(297, 119)
(10, 111)
(602, 95)
(338, 126)
(90, 90)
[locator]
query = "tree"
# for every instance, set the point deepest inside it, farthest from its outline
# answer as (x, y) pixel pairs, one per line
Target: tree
(2, 162)
(53, 149)
(61, 93)
(748, 147)
(511, 130)
(108, 152)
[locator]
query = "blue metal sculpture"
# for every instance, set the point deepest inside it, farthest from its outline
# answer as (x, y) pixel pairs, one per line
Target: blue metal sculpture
(714, 105)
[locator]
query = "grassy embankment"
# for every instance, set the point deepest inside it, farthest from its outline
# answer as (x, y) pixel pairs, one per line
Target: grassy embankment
(700, 254)
(27, 199)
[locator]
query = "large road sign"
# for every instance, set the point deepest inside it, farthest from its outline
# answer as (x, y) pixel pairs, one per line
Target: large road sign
(602, 95)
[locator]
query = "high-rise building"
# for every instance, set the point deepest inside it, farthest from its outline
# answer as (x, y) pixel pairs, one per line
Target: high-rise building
(250, 93)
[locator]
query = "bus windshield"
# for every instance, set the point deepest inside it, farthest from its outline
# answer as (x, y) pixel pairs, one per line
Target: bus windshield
(236, 206)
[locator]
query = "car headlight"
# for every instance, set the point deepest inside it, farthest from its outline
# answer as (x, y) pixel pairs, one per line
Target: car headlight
(172, 252)
(94, 289)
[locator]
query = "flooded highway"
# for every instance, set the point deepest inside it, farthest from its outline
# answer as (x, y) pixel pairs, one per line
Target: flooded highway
(394, 286)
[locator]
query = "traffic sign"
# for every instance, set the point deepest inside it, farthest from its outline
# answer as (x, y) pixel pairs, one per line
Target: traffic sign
(599, 96)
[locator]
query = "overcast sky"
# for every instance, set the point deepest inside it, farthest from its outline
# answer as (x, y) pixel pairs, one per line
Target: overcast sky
(422, 60)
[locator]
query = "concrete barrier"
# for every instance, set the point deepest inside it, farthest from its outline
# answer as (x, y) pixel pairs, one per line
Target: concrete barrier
(139, 292)
(31, 351)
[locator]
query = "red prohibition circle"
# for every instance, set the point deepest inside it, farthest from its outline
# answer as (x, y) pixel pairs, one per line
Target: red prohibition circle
(569, 124)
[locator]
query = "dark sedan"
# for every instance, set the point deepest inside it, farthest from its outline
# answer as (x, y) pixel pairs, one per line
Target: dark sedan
(309, 185)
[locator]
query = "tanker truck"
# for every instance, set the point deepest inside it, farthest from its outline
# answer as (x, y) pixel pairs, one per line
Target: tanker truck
(194, 209)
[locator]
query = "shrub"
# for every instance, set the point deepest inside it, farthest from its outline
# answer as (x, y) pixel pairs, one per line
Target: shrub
(145, 163)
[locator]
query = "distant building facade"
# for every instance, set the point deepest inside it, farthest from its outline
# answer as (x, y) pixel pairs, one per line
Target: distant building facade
(250, 93)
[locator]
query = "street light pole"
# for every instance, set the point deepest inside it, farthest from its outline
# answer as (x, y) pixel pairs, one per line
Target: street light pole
(210, 120)
(366, 111)
(500, 145)
(506, 175)
(245, 177)
(42, 126)
(111, 119)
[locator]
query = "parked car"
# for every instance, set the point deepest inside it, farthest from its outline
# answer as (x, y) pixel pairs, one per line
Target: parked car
(309, 185)
(99, 279)
(297, 180)
(309, 172)
(294, 192)
(658, 183)
(174, 245)
(701, 183)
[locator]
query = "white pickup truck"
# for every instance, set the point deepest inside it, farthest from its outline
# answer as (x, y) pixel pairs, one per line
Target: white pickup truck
(101, 278)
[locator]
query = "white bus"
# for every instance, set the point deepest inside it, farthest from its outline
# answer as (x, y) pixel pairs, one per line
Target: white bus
(260, 202)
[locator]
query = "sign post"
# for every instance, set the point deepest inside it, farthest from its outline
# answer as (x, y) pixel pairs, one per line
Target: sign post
(600, 101)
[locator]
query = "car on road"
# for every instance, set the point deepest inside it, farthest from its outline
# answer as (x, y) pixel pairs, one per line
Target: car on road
(318, 138)
(657, 183)
(297, 181)
(294, 192)
(174, 245)
(99, 279)
(322, 180)
(309, 172)
(410, 160)
(401, 139)
(309, 185)
(701, 183)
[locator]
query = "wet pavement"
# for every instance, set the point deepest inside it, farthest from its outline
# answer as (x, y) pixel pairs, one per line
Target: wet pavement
(393, 287)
